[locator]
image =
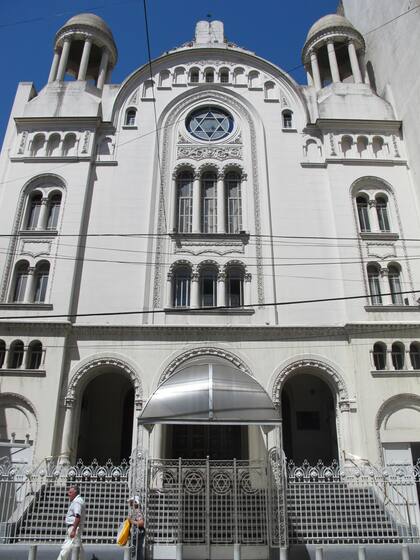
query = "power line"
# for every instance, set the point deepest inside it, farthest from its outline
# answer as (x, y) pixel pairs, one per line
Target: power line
(215, 308)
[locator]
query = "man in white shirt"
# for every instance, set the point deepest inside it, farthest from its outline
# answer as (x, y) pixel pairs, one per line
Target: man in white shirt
(75, 519)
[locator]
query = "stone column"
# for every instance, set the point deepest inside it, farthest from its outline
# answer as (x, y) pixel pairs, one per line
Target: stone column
(335, 75)
(195, 290)
(169, 299)
(316, 76)
(175, 224)
(247, 289)
(66, 438)
(29, 292)
(103, 69)
(54, 66)
(63, 59)
(85, 60)
(221, 204)
(309, 79)
(221, 290)
(42, 219)
(354, 63)
(196, 221)
(346, 435)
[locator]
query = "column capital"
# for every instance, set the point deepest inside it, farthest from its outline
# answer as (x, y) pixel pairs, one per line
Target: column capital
(69, 402)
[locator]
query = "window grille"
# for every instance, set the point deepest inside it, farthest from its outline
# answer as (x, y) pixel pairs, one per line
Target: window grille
(181, 291)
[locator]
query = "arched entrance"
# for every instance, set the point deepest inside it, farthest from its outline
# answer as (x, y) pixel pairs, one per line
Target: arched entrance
(106, 419)
(309, 419)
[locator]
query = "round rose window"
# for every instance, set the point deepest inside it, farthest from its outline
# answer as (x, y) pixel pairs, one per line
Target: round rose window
(210, 123)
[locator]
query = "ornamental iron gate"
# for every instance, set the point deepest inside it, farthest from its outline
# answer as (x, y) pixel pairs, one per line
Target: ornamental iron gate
(207, 502)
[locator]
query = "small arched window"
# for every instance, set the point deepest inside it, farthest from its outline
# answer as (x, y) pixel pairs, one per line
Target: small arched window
(208, 287)
(254, 79)
(234, 201)
(179, 76)
(224, 75)
(374, 284)
(378, 146)
(53, 145)
(20, 282)
(240, 79)
(34, 357)
(415, 355)
(362, 145)
(16, 352)
(53, 210)
(148, 89)
(130, 117)
(184, 195)
(2, 352)
(235, 287)
(209, 202)
(38, 144)
(379, 355)
(209, 75)
(346, 145)
(34, 211)
(69, 145)
(394, 279)
(42, 272)
(287, 116)
(181, 287)
(398, 355)
(362, 203)
(269, 90)
(382, 213)
(165, 79)
(194, 75)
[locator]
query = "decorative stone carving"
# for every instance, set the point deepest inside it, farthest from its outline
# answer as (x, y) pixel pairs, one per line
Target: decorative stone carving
(214, 152)
(332, 144)
(134, 98)
(35, 247)
(85, 143)
(381, 250)
(22, 143)
(211, 247)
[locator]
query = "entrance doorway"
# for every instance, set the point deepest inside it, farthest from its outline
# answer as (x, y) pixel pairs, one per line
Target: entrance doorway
(106, 419)
(201, 441)
(309, 422)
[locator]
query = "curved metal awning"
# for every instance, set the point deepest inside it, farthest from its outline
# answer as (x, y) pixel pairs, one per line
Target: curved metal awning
(210, 393)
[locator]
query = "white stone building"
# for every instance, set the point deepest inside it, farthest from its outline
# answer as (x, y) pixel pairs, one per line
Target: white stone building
(214, 229)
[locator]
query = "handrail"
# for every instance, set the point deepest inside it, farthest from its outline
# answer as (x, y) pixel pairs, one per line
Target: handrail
(387, 499)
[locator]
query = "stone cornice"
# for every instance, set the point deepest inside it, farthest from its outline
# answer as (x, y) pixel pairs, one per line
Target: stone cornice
(358, 125)
(91, 122)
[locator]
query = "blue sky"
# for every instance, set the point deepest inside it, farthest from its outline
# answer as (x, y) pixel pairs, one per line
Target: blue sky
(274, 29)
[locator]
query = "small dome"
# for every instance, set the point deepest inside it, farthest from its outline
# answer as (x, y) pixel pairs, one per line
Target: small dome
(91, 20)
(326, 22)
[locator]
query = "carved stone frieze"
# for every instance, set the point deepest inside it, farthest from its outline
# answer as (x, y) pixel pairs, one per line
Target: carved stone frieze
(85, 143)
(381, 250)
(209, 152)
(22, 143)
(35, 247)
(219, 248)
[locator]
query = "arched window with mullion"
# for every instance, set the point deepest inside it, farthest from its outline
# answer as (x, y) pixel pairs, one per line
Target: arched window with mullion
(42, 272)
(235, 287)
(181, 287)
(362, 203)
(184, 187)
(209, 202)
(34, 211)
(394, 281)
(208, 286)
(374, 284)
(234, 202)
(382, 213)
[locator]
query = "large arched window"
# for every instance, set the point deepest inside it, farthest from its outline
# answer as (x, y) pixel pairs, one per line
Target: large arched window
(235, 286)
(16, 353)
(181, 286)
(362, 203)
(53, 211)
(208, 286)
(20, 282)
(382, 213)
(379, 355)
(234, 201)
(209, 202)
(395, 284)
(42, 272)
(184, 193)
(34, 356)
(398, 355)
(374, 284)
(34, 210)
(415, 355)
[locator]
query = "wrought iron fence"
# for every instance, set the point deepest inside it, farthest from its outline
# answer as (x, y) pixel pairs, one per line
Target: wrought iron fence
(352, 504)
(33, 501)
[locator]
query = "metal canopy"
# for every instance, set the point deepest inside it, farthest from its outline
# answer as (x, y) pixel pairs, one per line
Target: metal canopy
(210, 393)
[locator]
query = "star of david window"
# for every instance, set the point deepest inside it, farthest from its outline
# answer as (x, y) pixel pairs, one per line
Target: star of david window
(210, 124)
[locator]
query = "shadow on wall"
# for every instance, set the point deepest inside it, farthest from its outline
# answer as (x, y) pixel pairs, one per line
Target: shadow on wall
(371, 73)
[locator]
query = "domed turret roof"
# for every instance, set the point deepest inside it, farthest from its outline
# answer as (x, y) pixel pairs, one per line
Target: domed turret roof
(91, 20)
(326, 22)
